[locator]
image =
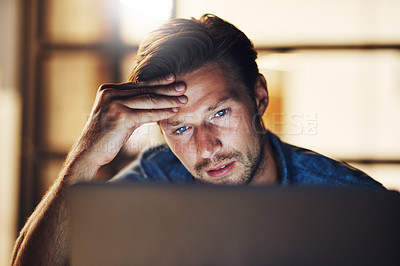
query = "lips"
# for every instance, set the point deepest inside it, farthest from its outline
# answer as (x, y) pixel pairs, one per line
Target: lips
(221, 170)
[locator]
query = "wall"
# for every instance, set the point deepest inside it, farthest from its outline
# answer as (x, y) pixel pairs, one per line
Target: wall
(10, 117)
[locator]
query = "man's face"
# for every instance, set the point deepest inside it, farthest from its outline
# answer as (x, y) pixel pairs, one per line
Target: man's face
(213, 135)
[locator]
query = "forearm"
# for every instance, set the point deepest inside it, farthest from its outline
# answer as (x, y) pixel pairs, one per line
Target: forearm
(114, 117)
(44, 238)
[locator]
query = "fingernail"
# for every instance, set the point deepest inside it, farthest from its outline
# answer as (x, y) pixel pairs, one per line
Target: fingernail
(179, 87)
(182, 99)
(169, 77)
(175, 110)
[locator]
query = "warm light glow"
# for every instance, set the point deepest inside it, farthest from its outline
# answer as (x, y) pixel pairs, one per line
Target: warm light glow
(276, 61)
(155, 9)
(138, 17)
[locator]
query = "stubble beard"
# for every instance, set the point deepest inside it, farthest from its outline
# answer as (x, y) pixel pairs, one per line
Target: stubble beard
(251, 163)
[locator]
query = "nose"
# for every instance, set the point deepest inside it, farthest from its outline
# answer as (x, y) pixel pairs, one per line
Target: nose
(207, 141)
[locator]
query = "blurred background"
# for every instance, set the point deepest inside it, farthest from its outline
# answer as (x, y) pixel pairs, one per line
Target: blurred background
(333, 71)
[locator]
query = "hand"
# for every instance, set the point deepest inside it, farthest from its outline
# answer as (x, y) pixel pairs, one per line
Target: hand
(119, 109)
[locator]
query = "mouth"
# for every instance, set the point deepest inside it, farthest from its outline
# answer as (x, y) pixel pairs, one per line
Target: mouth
(221, 170)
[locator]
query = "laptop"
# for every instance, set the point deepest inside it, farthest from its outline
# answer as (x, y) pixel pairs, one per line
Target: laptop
(156, 224)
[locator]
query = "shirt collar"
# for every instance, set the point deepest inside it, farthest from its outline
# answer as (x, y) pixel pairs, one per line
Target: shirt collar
(280, 149)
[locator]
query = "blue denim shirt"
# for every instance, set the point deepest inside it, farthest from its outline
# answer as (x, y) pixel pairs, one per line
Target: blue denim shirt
(298, 166)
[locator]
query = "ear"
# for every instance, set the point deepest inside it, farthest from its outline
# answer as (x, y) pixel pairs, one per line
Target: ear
(261, 94)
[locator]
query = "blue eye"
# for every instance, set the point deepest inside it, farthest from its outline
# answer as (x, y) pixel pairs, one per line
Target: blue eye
(221, 113)
(181, 130)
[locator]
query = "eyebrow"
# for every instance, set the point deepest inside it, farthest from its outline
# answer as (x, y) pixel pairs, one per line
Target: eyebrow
(209, 109)
(220, 102)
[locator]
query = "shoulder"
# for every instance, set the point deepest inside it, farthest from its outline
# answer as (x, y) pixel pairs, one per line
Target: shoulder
(302, 166)
(309, 167)
(157, 164)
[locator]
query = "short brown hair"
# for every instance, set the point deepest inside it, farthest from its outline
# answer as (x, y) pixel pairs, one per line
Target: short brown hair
(182, 45)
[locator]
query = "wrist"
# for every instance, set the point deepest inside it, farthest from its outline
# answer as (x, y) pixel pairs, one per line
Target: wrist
(79, 168)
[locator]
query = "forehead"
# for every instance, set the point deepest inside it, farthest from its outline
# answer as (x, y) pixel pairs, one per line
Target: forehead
(207, 86)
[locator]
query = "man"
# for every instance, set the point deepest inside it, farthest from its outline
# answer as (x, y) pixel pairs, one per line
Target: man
(199, 81)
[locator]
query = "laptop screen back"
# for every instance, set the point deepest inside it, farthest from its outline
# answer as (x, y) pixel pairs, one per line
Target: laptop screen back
(142, 224)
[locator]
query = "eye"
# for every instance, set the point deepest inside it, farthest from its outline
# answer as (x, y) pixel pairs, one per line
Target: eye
(180, 130)
(221, 113)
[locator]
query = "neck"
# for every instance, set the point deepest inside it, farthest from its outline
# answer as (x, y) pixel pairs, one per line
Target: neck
(267, 172)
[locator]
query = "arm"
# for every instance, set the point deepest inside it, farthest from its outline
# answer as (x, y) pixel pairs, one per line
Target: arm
(118, 110)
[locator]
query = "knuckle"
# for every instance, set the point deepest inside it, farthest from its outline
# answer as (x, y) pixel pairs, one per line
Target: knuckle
(169, 88)
(154, 81)
(151, 99)
(105, 94)
(154, 115)
(150, 113)
(115, 111)
(103, 87)
(143, 90)
(148, 117)
(165, 113)
(145, 83)
(175, 100)
(157, 115)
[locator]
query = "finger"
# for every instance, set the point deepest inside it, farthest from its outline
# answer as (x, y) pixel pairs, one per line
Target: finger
(160, 81)
(169, 90)
(114, 91)
(153, 101)
(163, 80)
(136, 117)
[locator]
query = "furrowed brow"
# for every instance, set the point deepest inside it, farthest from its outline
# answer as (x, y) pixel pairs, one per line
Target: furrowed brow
(209, 109)
(220, 102)
(171, 124)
